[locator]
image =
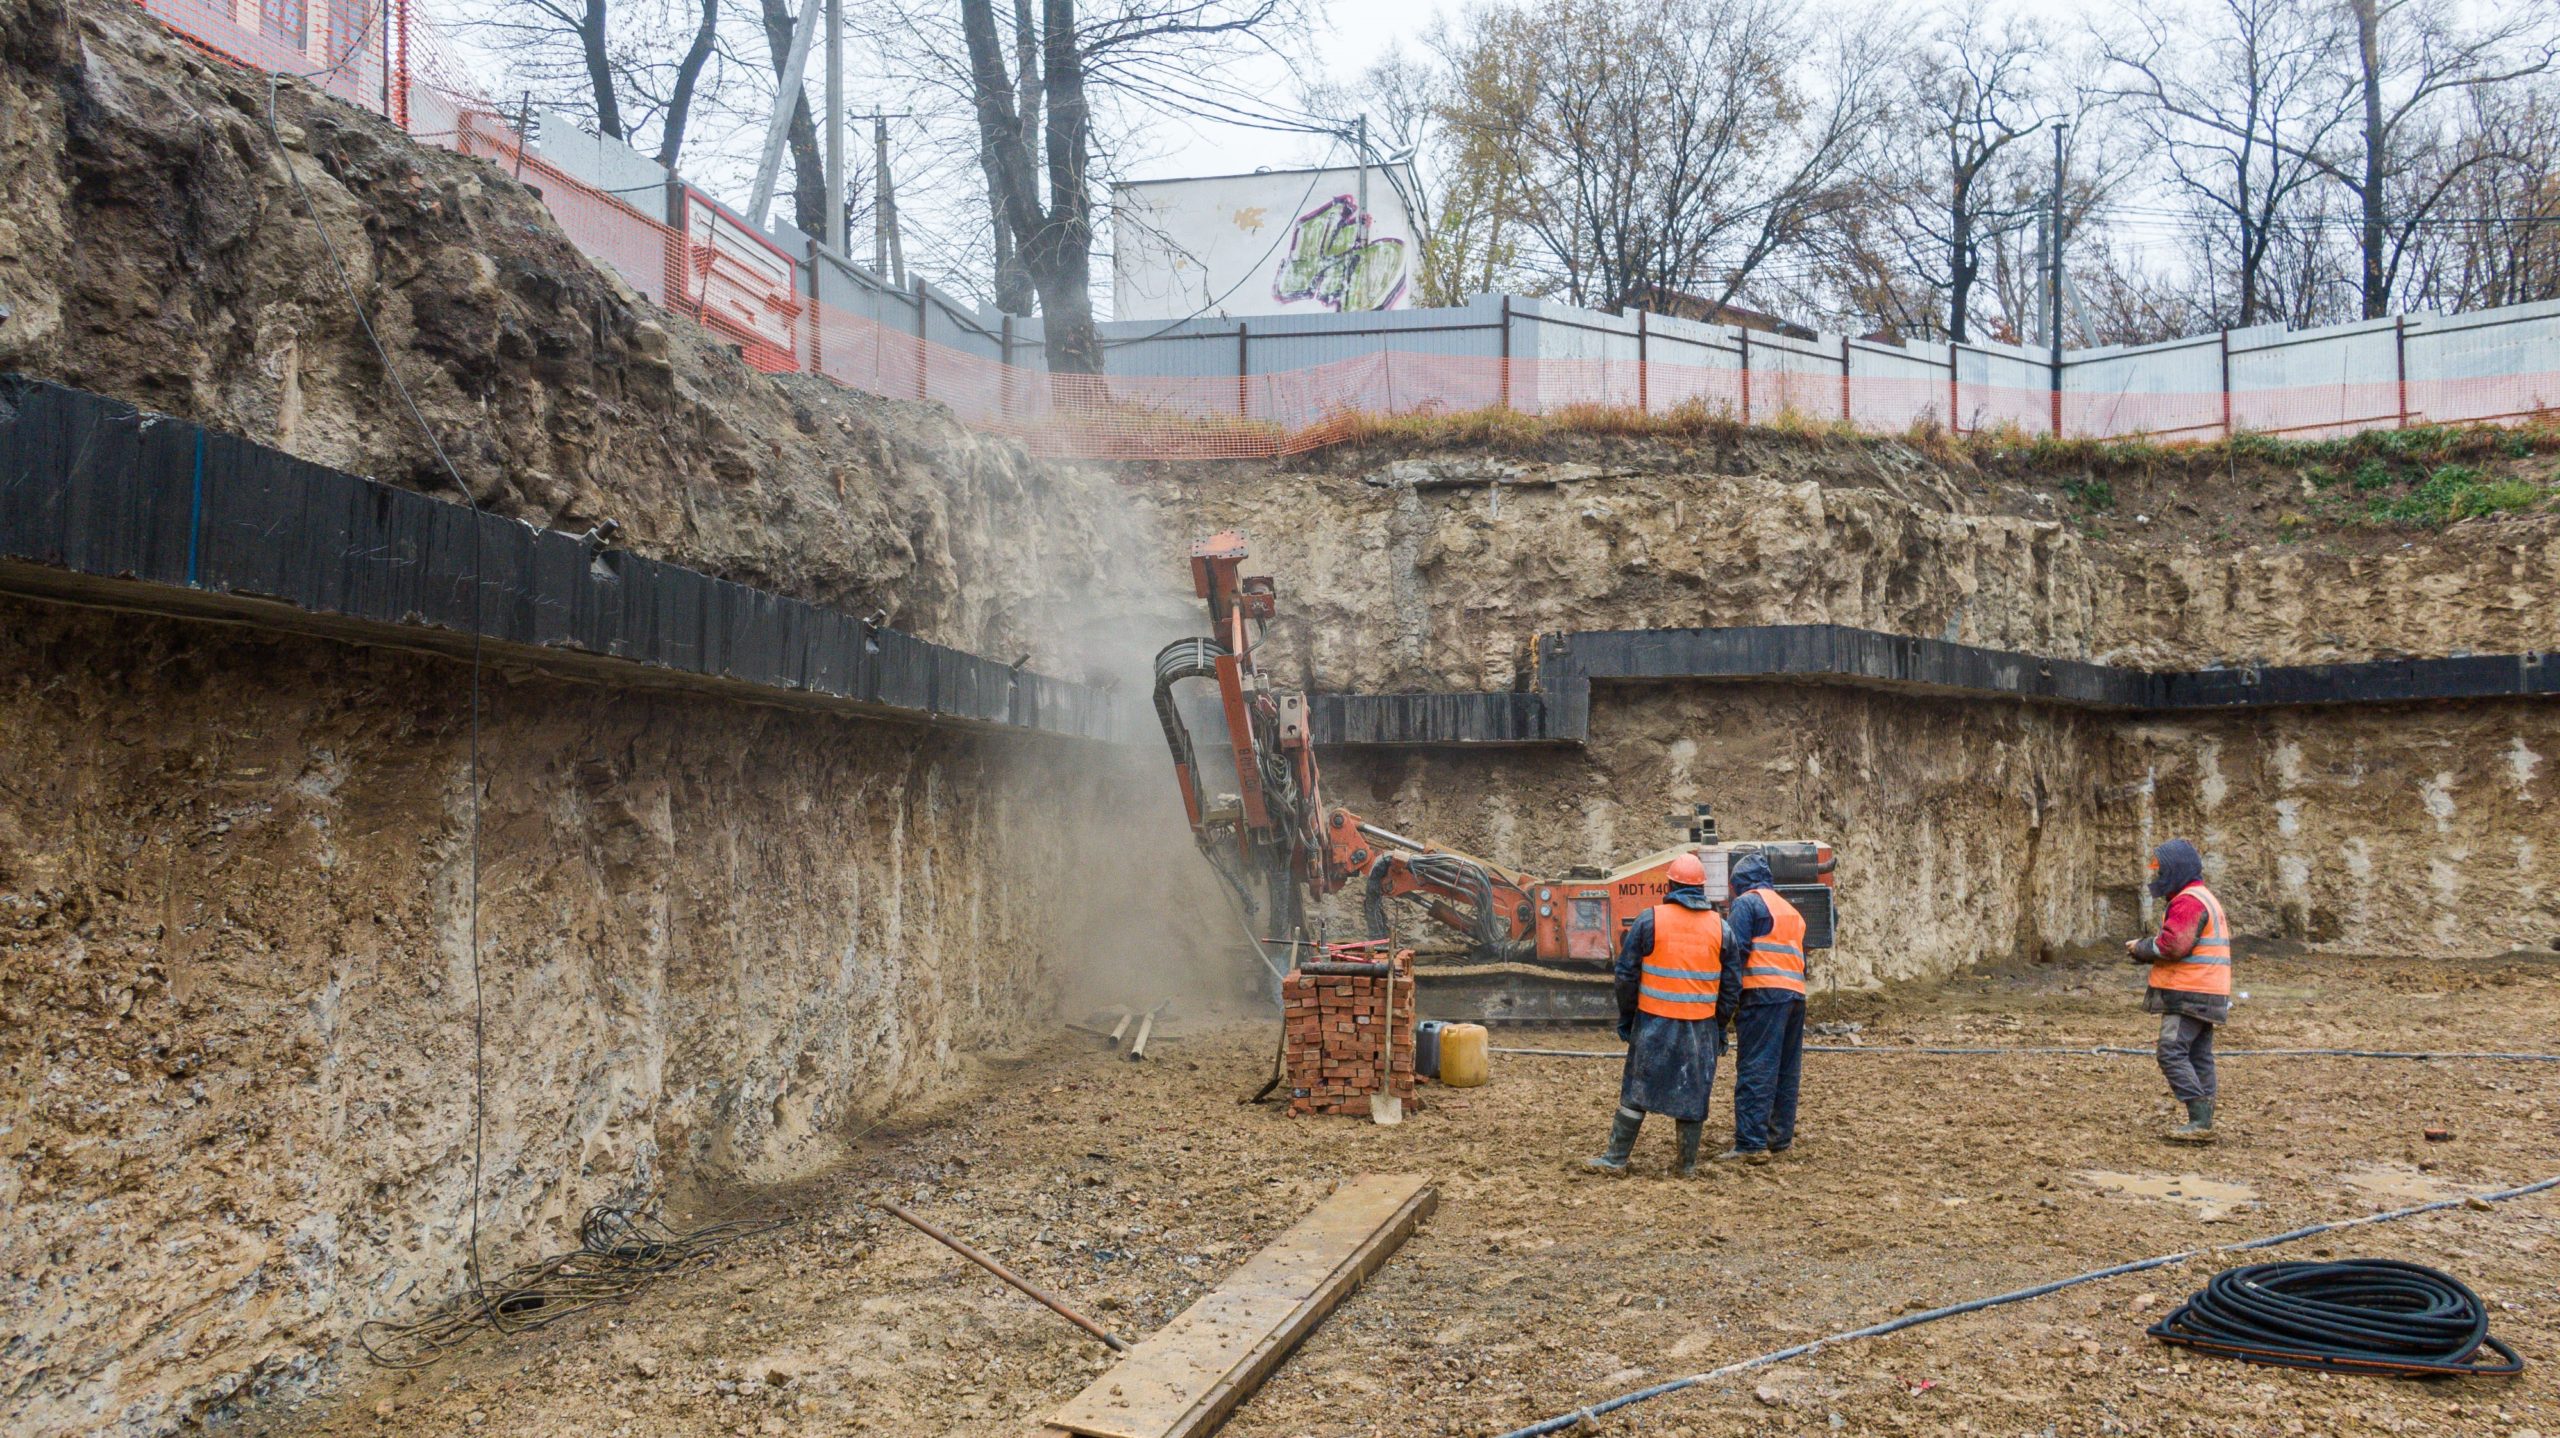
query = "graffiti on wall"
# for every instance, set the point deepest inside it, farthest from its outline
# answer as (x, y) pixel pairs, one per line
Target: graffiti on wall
(1333, 262)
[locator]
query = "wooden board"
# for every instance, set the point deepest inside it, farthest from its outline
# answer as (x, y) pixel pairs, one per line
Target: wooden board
(1183, 1380)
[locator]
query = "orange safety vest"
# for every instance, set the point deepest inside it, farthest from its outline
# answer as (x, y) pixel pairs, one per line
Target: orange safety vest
(1679, 978)
(1777, 957)
(2207, 969)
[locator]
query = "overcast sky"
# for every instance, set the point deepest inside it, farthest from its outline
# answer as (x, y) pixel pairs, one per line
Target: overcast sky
(1357, 32)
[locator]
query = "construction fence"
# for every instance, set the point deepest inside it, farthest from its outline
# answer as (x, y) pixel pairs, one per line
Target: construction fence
(1227, 388)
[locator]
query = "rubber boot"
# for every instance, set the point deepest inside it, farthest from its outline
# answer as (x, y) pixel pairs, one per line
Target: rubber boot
(1690, 1132)
(2199, 1125)
(1622, 1142)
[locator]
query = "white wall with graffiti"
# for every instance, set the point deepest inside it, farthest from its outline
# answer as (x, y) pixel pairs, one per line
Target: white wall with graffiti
(1275, 242)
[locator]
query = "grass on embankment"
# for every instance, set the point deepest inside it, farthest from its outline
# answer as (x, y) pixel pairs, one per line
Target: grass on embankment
(2422, 477)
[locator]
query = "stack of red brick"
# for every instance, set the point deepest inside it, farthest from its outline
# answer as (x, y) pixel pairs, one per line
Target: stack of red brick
(1335, 1057)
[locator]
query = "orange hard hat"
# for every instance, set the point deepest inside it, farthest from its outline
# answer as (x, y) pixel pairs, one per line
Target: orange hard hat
(1688, 869)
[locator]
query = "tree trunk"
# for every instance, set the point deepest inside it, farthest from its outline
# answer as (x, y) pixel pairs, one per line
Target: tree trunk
(1963, 264)
(591, 40)
(1054, 243)
(808, 172)
(688, 74)
(1013, 283)
(2377, 297)
(1062, 268)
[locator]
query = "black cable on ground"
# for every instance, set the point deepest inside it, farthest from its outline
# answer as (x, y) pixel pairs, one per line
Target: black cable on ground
(2358, 1315)
(2091, 1051)
(1563, 1421)
(620, 1250)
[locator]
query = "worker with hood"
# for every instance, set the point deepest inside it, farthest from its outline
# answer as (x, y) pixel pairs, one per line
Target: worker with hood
(1677, 962)
(2190, 986)
(1769, 1017)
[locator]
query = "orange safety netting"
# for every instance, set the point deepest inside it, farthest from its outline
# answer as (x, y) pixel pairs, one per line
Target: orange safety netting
(721, 271)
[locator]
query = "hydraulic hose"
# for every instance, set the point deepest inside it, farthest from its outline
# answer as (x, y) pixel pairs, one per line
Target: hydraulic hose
(2360, 1315)
(1180, 660)
(1577, 1417)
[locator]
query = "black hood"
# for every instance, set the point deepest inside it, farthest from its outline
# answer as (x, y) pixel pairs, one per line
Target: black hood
(2179, 865)
(1751, 871)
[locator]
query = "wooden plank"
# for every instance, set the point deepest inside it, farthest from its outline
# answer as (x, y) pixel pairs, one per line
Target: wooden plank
(1185, 1379)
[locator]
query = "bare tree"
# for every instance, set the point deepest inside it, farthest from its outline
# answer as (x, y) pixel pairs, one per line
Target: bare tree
(2496, 239)
(1013, 288)
(1034, 102)
(631, 67)
(2238, 97)
(1951, 179)
(1661, 148)
(2410, 58)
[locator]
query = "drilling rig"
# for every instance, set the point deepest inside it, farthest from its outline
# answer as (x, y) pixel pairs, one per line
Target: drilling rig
(1519, 948)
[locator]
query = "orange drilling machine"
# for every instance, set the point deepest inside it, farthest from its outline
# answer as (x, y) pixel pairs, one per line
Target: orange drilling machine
(1526, 949)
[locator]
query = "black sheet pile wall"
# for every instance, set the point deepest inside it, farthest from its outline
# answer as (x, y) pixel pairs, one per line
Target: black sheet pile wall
(102, 501)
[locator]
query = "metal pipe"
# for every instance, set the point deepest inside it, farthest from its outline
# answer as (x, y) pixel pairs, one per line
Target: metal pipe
(1034, 1290)
(1389, 836)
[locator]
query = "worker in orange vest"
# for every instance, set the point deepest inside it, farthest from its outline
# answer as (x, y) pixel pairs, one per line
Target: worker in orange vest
(2190, 986)
(1768, 1020)
(1675, 960)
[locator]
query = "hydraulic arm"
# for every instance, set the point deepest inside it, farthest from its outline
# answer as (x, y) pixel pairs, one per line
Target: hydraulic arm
(1526, 947)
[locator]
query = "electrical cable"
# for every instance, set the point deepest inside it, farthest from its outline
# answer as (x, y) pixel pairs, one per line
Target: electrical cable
(1578, 1416)
(620, 1251)
(2357, 1315)
(2093, 1051)
(382, 353)
(1314, 177)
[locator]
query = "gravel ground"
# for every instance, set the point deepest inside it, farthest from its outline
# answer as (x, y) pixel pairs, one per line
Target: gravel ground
(1917, 1181)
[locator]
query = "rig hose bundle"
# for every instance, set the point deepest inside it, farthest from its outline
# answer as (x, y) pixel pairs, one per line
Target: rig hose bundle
(620, 1251)
(2362, 1315)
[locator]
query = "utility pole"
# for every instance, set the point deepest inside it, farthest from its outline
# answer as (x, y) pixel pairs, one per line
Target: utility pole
(887, 254)
(835, 126)
(2053, 281)
(1362, 142)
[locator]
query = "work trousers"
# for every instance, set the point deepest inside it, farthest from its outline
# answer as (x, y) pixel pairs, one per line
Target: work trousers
(2186, 1057)
(1769, 1062)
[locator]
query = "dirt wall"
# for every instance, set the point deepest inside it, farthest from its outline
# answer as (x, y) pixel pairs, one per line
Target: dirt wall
(2418, 829)
(156, 248)
(1964, 832)
(1967, 829)
(1432, 573)
(235, 958)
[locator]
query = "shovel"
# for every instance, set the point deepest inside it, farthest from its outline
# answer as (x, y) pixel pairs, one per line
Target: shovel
(1385, 1107)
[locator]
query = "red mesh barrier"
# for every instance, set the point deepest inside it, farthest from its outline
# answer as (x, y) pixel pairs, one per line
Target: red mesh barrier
(714, 267)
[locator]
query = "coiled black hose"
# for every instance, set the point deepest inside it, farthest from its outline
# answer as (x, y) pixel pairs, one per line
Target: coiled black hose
(2358, 1315)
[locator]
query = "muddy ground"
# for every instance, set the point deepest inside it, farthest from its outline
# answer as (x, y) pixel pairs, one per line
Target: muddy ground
(1917, 1181)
